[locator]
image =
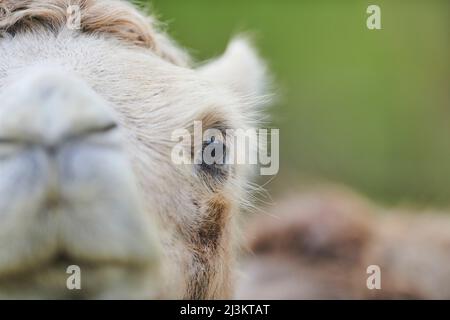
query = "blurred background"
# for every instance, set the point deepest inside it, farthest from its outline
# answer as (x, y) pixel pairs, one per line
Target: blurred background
(369, 109)
(365, 109)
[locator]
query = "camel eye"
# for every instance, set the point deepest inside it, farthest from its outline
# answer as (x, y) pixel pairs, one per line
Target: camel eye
(214, 159)
(214, 152)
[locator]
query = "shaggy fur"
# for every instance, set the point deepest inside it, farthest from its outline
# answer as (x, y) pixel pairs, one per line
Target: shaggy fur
(125, 67)
(116, 18)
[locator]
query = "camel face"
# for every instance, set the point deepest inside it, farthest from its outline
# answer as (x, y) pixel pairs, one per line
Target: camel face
(86, 170)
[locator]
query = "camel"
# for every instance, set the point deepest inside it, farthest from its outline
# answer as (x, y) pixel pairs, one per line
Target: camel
(86, 177)
(320, 243)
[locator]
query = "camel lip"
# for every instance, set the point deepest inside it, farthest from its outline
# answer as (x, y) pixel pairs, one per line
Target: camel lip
(49, 279)
(60, 261)
(64, 259)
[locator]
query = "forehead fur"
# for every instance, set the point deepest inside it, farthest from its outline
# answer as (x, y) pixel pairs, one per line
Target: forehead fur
(107, 17)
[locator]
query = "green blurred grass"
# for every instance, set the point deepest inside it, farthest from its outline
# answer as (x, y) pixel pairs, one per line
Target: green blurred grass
(370, 109)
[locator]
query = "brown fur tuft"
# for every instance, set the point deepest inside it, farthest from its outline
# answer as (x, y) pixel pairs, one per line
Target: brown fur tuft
(108, 17)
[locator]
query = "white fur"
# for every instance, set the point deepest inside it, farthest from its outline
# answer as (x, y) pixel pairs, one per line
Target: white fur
(149, 97)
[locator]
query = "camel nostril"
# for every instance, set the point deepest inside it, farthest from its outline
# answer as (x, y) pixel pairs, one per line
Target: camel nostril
(109, 127)
(106, 128)
(9, 141)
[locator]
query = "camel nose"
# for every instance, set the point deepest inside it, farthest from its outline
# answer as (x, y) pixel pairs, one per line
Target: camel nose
(49, 107)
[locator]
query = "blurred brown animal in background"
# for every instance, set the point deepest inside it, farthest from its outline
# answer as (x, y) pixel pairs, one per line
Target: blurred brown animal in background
(319, 245)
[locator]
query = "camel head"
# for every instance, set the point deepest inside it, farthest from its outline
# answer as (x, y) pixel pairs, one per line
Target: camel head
(87, 175)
